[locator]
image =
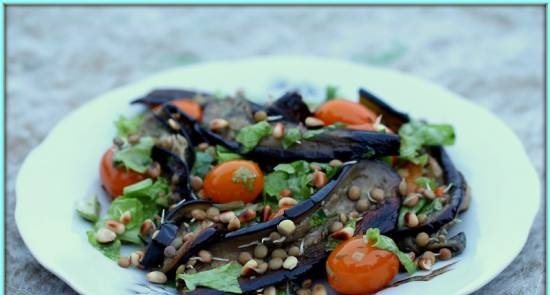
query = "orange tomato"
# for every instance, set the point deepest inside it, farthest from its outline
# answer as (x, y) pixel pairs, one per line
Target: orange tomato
(236, 180)
(356, 267)
(113, 178)
(188, 106)
(345, 111)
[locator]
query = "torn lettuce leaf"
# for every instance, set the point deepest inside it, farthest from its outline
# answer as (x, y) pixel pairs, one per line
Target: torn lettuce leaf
(88, 208)
(250, 136)
(126, 126)
(110, 250)
(224, 278)
(136, 157)
(415, 135)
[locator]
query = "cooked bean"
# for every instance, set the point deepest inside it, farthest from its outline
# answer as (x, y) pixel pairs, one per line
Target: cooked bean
(422, 239)
(244, 257)
(260, 251)
(275, 263)
(294, 251)
(354, 193)
(279, 253)
(362, 205)
(157, 277)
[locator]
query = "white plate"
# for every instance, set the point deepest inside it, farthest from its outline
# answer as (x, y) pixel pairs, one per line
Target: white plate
(64, 168)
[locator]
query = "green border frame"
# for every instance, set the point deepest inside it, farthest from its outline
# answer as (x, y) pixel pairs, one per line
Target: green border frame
(3, 62)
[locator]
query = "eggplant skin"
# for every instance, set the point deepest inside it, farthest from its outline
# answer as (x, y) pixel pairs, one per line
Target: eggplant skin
(342, 144)
(390, 116)
(291, 107)
(162, 96)
(394, 119)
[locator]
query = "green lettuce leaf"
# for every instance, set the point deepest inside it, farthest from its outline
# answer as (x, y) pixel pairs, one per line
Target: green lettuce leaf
(203, 163)
(415, 135)
(136, 157)
(111, 250)
(88, 208)
(292, 136)
(126, 126)
(223, 154)
(425, 182)
(385, 243)
(331, 93)
(250, 136)
(223, 278)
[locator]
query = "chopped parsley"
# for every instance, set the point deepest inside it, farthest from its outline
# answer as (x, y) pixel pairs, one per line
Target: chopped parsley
(244, 176)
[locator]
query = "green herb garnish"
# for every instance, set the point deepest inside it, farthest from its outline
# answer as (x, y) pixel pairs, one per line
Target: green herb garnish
(385, 243)
(292, 136)
(244, 176)
(331, 93)
(224, 154)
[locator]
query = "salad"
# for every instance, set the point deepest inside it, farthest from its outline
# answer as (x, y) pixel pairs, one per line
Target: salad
(224, 195)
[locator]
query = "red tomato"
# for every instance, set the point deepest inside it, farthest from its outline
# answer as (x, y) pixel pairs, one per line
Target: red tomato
(345, 111)
(355, 267)
(236, 180)
(114, 179)
(188, 106)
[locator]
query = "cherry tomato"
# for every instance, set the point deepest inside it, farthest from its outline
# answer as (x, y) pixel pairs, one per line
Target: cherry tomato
(188, 106)
(114, 179)
(345, 111)
(236, 180)
(356, 267)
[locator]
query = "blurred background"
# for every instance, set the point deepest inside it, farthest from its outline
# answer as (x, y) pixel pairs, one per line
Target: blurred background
(58, 58)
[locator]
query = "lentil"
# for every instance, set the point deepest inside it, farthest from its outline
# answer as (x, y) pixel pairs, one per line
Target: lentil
(196, 183)
(205, 256)
(294, 251)
(260, 251)
(275, 263)
(212, 212)
(354, 193)
(170, 251)
(156, 277)
(362, 205)
(260, 116)
(286, 227)
(104, 236)
(244, 257)
(290, 263)
(422, 239)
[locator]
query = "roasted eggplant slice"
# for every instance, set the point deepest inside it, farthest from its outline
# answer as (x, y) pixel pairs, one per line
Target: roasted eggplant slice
(394, 119)
(390, 116)
(290, 107)
(310, 237)
(162, 96)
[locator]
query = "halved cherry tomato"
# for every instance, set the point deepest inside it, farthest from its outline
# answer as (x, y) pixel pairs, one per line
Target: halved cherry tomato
(188, 106)
(114, 179)
(355, 267)
(236, 180)
(345, 111)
